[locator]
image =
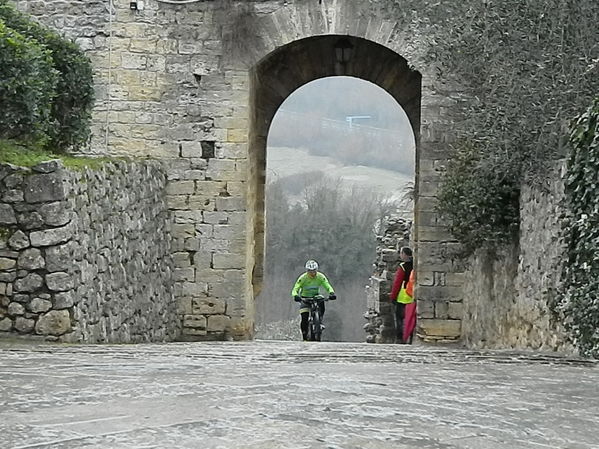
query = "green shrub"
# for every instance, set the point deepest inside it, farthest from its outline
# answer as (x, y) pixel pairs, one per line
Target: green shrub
(27, 86)
(580, 299)
(527, 67)
(480, 198)
(71, 109)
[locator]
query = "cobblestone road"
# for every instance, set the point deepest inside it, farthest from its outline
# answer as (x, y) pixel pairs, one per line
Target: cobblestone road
(293, 395)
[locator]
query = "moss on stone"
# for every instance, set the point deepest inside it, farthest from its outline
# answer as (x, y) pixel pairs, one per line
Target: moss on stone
(30, 154)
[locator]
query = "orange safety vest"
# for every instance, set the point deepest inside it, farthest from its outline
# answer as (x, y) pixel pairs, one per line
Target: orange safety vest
(406, 294)
(410, 285)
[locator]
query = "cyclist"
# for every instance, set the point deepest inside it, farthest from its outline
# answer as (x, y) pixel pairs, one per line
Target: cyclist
(308, 285)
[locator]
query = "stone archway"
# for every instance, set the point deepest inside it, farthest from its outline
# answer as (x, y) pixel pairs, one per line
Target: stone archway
(289, 67)
(196, 84)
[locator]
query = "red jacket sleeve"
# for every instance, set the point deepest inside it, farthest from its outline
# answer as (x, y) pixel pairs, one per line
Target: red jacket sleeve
(397, 283)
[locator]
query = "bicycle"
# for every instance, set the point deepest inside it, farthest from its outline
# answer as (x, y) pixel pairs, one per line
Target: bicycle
(315, 325)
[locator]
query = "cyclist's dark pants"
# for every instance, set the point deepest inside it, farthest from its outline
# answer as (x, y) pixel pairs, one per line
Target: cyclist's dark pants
(305, 316)
(400, 312)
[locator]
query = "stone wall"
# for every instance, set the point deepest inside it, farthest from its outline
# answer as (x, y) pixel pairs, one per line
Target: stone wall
(508, 291)
(198, 83)
(393, 233)
(86, 255)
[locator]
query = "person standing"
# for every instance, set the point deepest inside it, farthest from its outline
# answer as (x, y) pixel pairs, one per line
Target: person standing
(308, 285)
(398, 295)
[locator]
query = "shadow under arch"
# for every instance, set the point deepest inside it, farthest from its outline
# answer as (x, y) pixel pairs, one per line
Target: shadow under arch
(289, 67)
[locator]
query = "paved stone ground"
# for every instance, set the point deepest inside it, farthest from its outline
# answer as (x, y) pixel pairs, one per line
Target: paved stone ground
(262, 395)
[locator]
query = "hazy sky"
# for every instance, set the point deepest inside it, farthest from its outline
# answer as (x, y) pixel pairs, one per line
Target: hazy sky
(340, 96)
(348, 119)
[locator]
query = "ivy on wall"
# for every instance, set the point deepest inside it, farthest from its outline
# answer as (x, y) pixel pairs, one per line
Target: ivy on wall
(528, 67)
(579, 301)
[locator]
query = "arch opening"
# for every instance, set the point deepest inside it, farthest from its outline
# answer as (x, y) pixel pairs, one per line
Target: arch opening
(283, 71)
(340, 157)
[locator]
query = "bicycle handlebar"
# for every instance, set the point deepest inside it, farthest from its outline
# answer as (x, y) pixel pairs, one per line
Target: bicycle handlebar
(315, 298)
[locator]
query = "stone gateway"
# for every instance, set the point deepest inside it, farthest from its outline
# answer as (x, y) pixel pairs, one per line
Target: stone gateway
(195, 84)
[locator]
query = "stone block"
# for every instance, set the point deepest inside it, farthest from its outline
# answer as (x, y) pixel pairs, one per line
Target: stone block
(455, 311)
(19, 240)
(7, 215)
(59, 258)
(38, 305)
(231, 150)
(31, 259)
(426, 278)
(5, 325)
(440, 328)
(191, 149)
(64, 300)
(177, 202)
(442, 310)
(14, 180)
(228, 261)
(208, 306)
(48, 166)
(184, 274)
(439, 293)
(29, 283)
(55, 214)
(237, 135)
(194, 321)
(230, 289)
(218, 323)
(43, 188)
(197, 175)
(30, 220)
(192, 332)
(223, 170)
(216, 217)
(454, 279)
(13, 196)
(199, 164)
(7, 264)
(191, 244)
(188, 217)
(55, 322)
(231, 204)
(60, 281)
(426, 309)
(50, 237)
(193, 289)
(434, 234)
(183, 230)
(15, 309)
(199, 202)
(182, 259)
(184, 306)
(180, 188)
(24, 325)
(202, 259)
(9, 254)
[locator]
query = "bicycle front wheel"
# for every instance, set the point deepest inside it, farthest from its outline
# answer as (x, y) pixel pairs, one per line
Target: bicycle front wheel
(316, 328)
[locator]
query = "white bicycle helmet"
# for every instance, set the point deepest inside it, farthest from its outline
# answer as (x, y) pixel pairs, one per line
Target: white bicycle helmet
(311, 265)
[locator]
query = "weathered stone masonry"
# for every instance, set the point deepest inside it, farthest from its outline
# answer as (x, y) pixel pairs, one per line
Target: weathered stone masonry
(393, 233)
(197, 85)
(510, 289)
(86, 255)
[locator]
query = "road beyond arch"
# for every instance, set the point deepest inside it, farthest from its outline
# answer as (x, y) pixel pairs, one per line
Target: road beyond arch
(294, 395)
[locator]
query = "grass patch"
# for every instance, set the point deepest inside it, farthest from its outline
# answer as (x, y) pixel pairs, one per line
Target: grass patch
(30, 154)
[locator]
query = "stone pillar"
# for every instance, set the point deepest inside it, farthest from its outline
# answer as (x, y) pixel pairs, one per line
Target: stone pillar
(394, 232)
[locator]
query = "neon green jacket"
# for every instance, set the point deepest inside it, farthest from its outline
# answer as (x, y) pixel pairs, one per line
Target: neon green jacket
(309, 287)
